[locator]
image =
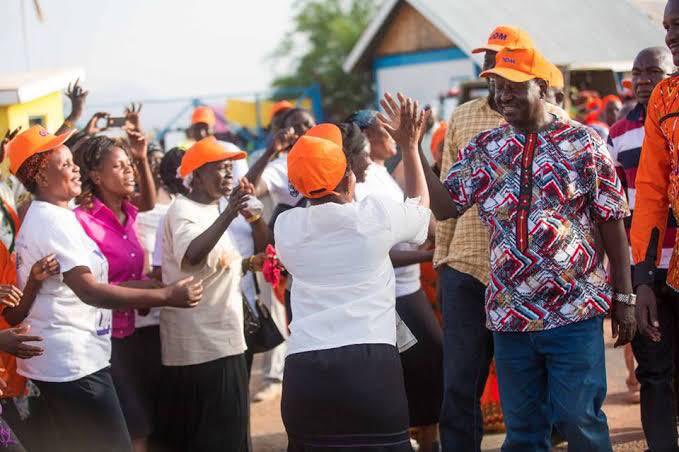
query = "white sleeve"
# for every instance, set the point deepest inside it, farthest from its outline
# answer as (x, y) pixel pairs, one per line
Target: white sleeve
(67, 242)
(157, 256)
(275, 180)
(409, 221)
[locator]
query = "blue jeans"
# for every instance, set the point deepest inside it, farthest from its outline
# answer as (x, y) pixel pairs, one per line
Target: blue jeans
(467, 353)
(554, 377)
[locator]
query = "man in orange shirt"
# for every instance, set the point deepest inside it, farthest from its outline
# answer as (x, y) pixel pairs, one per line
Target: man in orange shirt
(657, 187)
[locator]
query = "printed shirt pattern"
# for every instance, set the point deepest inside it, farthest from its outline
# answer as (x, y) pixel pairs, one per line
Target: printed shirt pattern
(657, 178)
(541, 196)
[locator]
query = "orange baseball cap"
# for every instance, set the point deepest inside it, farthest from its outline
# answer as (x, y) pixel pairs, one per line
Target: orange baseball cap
(556, 77)
(280, 107)
(520, 65)
(506, 37)
(208, 150)
(316, 163)
(203, 114)
(437, 138)
(33, 141)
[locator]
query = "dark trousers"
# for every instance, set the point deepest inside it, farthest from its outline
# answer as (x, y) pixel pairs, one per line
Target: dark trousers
(85, 415)
(467, 353)
(553, 377)
(655, 373)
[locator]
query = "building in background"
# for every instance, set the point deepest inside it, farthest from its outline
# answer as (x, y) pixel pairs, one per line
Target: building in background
(423, 47)
(30, 98)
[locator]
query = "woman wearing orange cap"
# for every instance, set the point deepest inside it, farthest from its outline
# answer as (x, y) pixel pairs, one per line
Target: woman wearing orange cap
(204, 365)
(343, 386)
(71, 311)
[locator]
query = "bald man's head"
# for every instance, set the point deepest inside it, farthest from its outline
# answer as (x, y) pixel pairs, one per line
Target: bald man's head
(651, 65)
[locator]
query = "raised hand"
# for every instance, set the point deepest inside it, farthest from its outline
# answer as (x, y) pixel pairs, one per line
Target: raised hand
(184, 293)
(13, 341)
(132, 119)
(404, 121)
(77, 95)
(46, 267)
(282, 141)
(238, 200)
(92, 128)
(138, 145)
(9, 136)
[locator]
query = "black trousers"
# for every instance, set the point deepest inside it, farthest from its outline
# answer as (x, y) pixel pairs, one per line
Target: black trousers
(135, 368)
(206, 407)
(656, 374)
(422, 363)
(84, 415)
(467, 353)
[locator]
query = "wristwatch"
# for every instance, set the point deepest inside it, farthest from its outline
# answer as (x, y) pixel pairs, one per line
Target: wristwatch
(629, 299)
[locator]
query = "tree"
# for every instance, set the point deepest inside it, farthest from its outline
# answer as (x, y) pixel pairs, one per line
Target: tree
(331, 28)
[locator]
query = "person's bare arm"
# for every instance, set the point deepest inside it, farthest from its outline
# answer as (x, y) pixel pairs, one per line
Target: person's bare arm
(201, 246)
(403, 258)
(419, 176)
(46, 267)
(282, 141)
(183, 294)
(616, 246)
(145, 200)
(77, 95)
(261, 235)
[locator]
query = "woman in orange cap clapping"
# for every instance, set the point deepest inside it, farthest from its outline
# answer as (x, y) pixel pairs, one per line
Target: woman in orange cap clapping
(343, 386)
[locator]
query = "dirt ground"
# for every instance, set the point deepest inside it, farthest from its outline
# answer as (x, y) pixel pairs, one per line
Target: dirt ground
(268, 433)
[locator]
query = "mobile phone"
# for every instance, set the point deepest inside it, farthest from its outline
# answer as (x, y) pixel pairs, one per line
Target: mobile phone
(116, 121)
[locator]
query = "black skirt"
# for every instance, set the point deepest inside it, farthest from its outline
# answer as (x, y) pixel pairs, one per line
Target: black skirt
(205, 407)
(422, 363)
(135, 368)
(348, 398)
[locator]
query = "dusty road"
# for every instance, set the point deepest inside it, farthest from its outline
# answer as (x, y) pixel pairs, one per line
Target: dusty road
(269, 435)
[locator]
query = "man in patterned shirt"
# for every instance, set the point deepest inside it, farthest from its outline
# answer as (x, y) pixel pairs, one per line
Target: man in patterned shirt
(461, 257)
(657, 187)
(549, 196)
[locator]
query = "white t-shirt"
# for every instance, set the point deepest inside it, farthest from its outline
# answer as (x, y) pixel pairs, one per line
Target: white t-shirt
(77, 336)
(275, 176)
(343, 292)
(378, 182)
(214, 328)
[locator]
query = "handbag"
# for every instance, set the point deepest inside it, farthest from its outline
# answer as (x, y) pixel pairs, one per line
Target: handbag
(261, 332)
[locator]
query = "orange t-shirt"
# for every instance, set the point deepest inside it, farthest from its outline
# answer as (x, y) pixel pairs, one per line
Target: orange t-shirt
(16, 384)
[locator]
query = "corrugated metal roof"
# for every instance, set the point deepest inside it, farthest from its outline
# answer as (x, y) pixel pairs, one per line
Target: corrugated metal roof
(577, 32)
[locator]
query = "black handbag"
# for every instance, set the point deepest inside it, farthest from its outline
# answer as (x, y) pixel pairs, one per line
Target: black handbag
(261, 332)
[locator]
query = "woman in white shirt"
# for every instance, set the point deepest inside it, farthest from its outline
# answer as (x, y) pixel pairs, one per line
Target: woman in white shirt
(343, 385)
(203, 358)
(72, 310)
(423, 363)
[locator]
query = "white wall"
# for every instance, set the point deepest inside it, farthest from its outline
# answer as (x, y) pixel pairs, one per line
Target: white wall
(424, 81)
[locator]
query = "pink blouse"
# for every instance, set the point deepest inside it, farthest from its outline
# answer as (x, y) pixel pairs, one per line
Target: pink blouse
(121, 246)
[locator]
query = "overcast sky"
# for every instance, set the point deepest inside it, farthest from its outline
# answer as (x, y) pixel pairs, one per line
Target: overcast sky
(134, 49)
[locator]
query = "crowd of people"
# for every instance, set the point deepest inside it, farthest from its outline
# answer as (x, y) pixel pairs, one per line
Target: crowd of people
(400, 292)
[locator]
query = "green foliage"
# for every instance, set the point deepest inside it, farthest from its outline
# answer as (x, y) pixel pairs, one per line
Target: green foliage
(331, 28)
